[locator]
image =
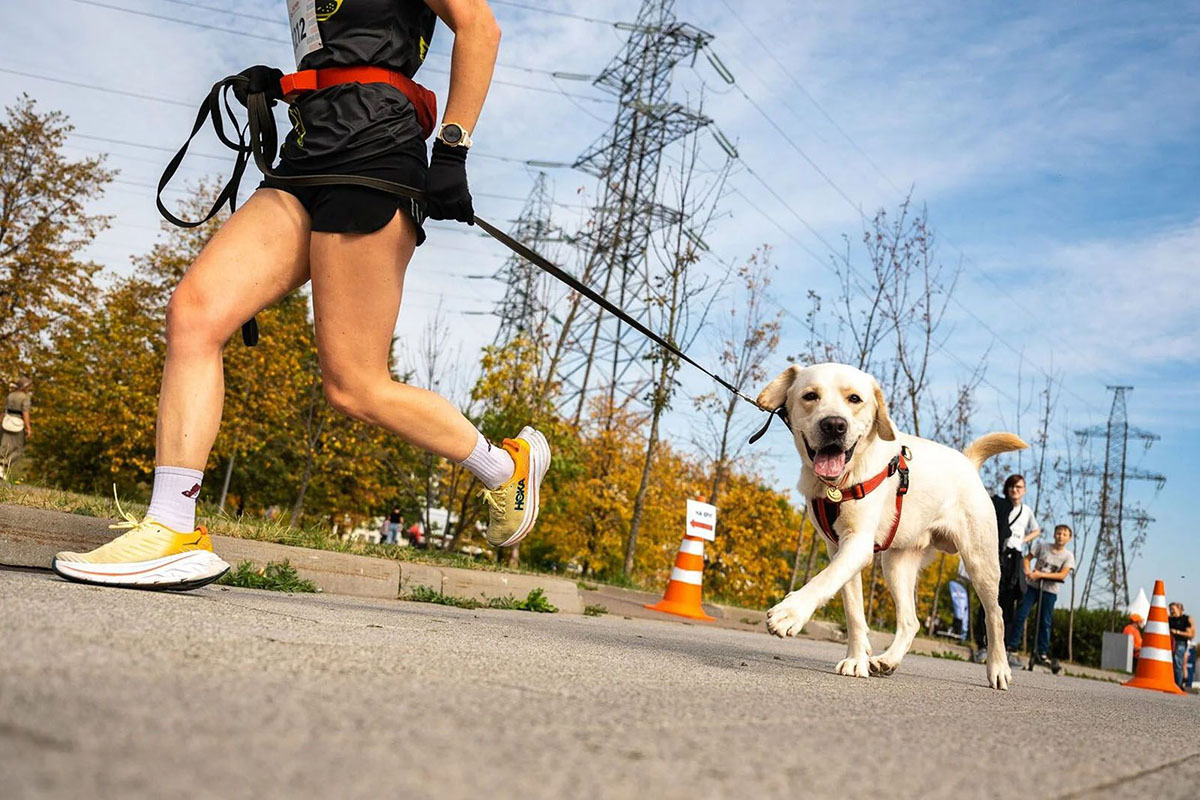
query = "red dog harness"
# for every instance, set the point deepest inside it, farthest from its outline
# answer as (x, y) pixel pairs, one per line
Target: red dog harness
(309, 80)
(825, 510)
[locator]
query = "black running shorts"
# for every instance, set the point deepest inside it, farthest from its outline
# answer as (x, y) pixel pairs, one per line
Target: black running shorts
(357, 209)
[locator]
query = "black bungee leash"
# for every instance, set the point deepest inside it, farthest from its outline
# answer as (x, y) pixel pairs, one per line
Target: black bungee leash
(258, 139)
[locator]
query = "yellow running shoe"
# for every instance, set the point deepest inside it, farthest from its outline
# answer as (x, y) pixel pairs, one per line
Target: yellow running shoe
(513, 507)
(148, 556)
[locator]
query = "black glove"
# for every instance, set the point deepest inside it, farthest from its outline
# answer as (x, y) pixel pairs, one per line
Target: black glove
(447, 195)
(260, 79)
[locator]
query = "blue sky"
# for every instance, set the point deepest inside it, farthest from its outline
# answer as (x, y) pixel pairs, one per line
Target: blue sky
(1053, 145)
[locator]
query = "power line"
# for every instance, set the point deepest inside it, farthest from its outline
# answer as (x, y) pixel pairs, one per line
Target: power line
(242, 14)
(190, 23)
(791, 77)
(962, 306)
(553, 12)
(96, 88)
(524, 6)
(145, 146)
(962, 253)
(259, 37)
(109, 140)
(763, 48)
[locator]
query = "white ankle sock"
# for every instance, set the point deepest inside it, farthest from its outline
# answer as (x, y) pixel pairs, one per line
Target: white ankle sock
(489, 462)
(173, 501)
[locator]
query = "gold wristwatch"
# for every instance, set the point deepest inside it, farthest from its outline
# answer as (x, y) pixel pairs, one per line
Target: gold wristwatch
(452, 134)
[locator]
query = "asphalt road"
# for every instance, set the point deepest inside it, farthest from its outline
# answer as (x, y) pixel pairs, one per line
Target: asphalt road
(236, 693)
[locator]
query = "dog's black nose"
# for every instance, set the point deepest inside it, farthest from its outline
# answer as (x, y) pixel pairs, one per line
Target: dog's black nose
(834, 426)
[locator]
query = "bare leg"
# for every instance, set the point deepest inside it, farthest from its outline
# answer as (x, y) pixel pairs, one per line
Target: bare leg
(901, 568)
(358, 281)
(787, 618)
(259, 255)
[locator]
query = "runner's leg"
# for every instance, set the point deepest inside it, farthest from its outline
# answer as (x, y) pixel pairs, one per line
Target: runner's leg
(258, 256)
(358, 282)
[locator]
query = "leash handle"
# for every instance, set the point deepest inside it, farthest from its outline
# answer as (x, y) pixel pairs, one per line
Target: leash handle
(211, 109)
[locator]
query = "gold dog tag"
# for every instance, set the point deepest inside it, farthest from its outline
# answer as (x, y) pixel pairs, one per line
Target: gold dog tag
(834, 494)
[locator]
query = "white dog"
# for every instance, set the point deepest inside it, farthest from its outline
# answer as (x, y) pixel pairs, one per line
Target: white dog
(846, 440)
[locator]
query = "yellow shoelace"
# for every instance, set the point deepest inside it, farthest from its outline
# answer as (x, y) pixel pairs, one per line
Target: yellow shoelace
(131, 522)
(495, 499)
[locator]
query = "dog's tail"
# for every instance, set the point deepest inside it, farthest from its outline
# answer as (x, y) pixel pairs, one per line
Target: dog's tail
(992, 444)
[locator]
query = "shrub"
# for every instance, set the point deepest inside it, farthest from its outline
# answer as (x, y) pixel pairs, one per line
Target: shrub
(1090, 625)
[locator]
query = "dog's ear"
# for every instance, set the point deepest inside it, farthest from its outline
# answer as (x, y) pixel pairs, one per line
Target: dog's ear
(775, 395)
(883, 423)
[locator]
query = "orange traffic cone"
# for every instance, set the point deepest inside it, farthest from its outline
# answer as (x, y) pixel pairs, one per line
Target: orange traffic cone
(1154, 667)
(683, 589)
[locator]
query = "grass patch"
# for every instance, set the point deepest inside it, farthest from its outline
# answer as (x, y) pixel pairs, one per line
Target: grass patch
(1085, 676)
(594, 610)
(423, 594)
(535, 601)
(274, 577)
(950, 655)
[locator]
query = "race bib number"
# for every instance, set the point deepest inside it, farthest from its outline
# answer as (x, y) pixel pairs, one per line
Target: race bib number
(302, 19)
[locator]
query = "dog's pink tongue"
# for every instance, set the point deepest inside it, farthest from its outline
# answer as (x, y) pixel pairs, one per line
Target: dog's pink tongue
(829, 465)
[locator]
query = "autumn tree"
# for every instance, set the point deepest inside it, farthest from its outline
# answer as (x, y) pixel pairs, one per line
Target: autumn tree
(44, 224)
(749, 334)
(679, 302)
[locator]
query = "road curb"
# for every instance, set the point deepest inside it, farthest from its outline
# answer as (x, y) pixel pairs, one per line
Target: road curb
(29, 537)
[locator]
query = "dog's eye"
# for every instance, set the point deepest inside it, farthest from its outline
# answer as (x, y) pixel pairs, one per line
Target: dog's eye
(809, 396)
(854, 399)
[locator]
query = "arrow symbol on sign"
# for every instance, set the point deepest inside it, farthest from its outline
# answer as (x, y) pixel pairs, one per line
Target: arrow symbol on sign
(705, 525)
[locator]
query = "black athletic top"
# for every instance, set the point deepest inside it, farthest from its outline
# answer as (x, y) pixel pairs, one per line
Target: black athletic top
(378, 33)
(1181, 624)
(354, 124)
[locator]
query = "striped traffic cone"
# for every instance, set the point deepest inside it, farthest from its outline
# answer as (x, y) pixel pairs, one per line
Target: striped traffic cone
(683, 589)
(1154, 668)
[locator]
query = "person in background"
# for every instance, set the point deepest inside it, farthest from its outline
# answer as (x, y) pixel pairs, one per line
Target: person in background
(1134, 631)
(1182, 632)
(394, 521)
(416, 536)
(1016, 527)
(17, 429)
(1052, 566)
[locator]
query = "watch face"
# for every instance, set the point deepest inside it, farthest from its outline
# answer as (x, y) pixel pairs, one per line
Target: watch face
(452, 134)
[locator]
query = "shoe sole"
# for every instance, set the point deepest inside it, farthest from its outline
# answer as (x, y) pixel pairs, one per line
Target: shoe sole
(539, 463)
(179, 572)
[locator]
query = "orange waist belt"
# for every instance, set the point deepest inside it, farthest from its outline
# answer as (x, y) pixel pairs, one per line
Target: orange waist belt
(309, 80)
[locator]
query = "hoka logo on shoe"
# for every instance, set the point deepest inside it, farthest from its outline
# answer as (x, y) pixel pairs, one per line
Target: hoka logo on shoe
(519, 501)
(192, 492)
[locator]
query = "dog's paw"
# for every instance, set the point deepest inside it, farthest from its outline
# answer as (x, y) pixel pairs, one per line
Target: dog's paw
(882, 665)
(854, 666)
(999, 675)
(785, 620)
